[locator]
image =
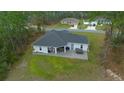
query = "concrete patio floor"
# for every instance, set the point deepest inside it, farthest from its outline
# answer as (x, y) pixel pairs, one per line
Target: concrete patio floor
(68, 54)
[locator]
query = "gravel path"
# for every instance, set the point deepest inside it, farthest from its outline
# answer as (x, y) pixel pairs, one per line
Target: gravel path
(21, 72)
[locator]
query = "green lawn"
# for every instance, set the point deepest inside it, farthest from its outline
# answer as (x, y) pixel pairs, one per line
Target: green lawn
(39, 67)
(81, 25)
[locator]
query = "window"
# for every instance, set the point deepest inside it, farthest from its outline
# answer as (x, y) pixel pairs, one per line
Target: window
(40, 48)
(81, 46)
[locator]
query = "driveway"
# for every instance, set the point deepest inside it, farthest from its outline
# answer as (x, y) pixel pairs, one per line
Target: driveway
(76, 30)
(91, 28)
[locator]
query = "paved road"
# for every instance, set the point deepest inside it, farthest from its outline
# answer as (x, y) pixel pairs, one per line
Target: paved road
(76, 30)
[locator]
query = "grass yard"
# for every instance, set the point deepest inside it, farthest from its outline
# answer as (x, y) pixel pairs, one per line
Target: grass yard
(81, 25)
(39, 67)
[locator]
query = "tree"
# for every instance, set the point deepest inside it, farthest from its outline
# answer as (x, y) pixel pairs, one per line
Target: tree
(13, 35)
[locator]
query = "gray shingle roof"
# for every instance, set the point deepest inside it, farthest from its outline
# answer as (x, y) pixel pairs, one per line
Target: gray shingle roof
(60, 38)
(70, 20)
(103, 19)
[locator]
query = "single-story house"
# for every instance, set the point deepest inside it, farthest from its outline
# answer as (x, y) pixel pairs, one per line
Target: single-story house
(103, 20)
(60, 41)
(93, 23)
(90, 23)
(73, 22)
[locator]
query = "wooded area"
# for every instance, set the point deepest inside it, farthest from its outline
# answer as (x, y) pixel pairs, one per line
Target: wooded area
(14, 36)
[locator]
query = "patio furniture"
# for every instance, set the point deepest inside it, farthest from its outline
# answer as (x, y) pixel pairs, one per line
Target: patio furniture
(79, 51)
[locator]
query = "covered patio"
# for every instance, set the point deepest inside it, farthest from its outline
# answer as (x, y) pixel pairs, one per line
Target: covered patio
(67, 54)
(57, 50)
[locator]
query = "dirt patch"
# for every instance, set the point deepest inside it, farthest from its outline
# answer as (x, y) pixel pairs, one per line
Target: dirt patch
(113, 61)
(19, 70)
(113, 75)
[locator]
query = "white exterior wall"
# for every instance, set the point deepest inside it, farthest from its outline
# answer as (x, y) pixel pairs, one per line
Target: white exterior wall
(45, 48)
(78, 45)
(93, 22)
(75, 27)
(69, 45)
(85, 47)
(37, 49)
(86, 23)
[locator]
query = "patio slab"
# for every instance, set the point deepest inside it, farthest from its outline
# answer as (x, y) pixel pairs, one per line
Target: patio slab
(68, 54)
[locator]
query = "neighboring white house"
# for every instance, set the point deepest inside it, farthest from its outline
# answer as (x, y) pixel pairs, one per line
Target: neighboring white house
(93, 23)
(103, 20)
(86, 22)
(90, 25)
(60, 41)
(73, 22)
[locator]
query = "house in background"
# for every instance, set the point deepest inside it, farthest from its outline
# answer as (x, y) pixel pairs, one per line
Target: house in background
(103, 21)
(56, 42)
(91, 25)
(86, 22)
(73, 22)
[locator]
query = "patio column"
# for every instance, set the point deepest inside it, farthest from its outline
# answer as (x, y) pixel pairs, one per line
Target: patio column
(64, 49)
(55, 50)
